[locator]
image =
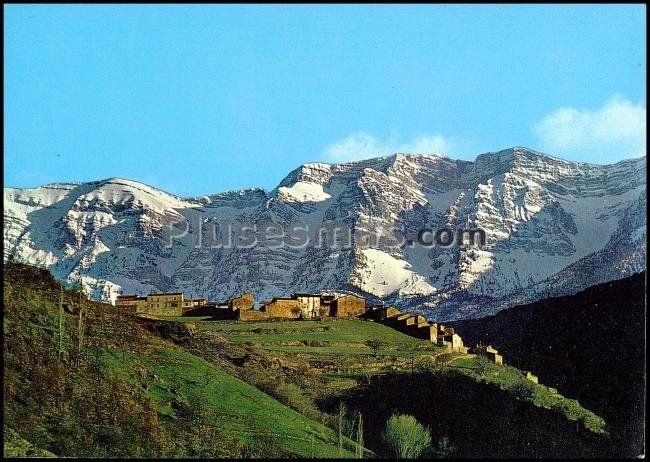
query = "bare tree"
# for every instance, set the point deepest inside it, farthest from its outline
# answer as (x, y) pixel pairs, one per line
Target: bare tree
(80, 333)
(61, 323)
(359, 438)
(341, 426)
(375, 345)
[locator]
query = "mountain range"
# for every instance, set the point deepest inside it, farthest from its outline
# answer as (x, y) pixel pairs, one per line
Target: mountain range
(552, 228)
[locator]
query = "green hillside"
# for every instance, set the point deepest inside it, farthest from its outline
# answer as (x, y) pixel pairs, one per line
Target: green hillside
(132, 393)
(329, 361)
(190, 387)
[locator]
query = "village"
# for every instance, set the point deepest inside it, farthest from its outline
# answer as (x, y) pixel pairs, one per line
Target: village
(304, 306)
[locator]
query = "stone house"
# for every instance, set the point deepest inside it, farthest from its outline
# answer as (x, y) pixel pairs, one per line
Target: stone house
(214, 309)
(493, 355)
(166, 300)
(403, 317)
(390, 312)
(171, 304)
(301, 306)
(168, 304)
(415, 320)
(326, 305)
(451, 341)
(311, 305)
(349, 306)
(243, 302)
(285, 308)
(194, 303)
(428, 332)
(131, 303)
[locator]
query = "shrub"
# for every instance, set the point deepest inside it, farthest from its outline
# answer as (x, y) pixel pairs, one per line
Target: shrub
(292, 395)
(523, 391)
(480, 350)
(406, 436)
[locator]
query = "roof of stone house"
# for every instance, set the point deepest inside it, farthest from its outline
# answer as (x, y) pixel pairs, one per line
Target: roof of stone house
(350, 295)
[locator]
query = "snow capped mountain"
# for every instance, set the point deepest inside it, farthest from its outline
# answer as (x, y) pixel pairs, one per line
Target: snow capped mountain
(552, 227)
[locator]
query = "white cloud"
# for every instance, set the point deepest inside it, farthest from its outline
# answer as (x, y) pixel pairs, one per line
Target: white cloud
(611, 133)
(361, 145)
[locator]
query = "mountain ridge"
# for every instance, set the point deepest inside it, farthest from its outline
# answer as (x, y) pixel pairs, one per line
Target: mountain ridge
(541, 215)
(321, 163)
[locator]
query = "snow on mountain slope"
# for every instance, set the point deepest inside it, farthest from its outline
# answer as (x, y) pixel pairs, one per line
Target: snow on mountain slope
(303, 192)
(381, 274)
(552, 227)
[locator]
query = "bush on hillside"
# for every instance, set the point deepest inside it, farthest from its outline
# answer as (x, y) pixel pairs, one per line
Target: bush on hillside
(406, 436)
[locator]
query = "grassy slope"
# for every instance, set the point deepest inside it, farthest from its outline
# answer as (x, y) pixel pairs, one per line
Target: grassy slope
(340, 345)
(156, 372)
(509, 378)
(239, 408)
(190, 381)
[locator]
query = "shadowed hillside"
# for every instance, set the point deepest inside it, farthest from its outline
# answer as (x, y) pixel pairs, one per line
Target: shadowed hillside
(478, 419)
(590, 346)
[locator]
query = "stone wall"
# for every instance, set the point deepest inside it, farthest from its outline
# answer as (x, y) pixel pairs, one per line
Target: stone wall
(349, 306)
(251, 315)
(160, 310)
(283, 308)
(417, 326)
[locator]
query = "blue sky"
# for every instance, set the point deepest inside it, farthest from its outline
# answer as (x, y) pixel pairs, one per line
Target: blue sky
(206, 98)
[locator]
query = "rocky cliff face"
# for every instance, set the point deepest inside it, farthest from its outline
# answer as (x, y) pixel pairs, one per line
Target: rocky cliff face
(552, 227)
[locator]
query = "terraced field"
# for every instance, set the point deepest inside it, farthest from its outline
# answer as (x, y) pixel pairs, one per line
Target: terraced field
(338, 352)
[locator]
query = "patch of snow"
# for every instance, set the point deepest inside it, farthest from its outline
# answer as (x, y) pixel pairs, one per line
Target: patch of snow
(303, 192)
(384, 274)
